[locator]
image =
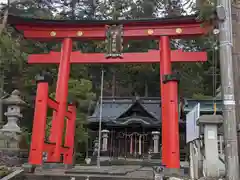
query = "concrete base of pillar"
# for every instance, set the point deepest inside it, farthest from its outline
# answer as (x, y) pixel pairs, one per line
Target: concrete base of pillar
(28, 168)
(161, 173)
(156, 155)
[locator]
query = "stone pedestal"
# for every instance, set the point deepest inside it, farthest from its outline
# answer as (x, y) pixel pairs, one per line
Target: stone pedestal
(105, 139)
(95, 151)
(212, 166)
(139, 144)
(10, 132)
(155, 141)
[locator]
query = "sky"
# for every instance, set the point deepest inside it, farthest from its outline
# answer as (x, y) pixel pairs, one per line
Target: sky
(3, 1)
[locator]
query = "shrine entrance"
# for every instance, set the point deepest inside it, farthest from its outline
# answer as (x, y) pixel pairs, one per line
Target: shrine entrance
(134, 130)
(126, 144)
(115, 33)
(134, 145)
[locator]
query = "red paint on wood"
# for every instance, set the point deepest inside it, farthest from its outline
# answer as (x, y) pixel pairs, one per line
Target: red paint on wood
(54, 105)
(61, 71)
(138, 30)
(55, 30)
(70, 134)
(39, 124)
(170, 94)
(152, 56)
(63, 94)
(164, 115)
(48, 147)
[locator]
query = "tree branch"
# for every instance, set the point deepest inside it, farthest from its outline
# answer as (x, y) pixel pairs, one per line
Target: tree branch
(4, 21)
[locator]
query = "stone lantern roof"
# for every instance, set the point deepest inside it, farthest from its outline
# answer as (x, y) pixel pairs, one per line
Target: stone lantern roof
(14, 99)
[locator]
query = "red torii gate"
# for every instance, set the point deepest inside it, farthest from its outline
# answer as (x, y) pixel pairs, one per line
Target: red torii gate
(160, 29)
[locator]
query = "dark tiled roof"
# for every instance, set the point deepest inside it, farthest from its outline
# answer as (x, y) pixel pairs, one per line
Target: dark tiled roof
(112, 109)
(17, 20)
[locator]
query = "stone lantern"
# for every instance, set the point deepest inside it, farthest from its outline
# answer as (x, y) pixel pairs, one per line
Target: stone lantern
(105, 133)
(155, 141)
(10, 132)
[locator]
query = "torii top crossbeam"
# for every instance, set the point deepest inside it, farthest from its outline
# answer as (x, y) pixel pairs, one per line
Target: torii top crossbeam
(42, 29)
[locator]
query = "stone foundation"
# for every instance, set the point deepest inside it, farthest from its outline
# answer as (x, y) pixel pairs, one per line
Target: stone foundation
(10, 157)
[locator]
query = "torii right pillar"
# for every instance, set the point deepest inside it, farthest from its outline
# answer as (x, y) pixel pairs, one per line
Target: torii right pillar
(169, 94)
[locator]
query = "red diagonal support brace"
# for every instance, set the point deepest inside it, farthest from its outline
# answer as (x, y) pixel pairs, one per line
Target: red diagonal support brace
(152, 56)
(70, 134)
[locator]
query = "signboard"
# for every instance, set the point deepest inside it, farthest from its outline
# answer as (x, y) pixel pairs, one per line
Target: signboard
(191, 124)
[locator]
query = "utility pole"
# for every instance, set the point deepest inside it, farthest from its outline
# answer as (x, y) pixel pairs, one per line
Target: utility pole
(228, 96)
(100, 122)
(236, 60)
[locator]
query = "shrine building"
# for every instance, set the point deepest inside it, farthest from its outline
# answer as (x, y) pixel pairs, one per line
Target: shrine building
(131, 127)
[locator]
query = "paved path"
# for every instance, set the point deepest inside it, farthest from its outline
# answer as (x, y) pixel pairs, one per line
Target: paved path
(105, 172)
(128, 172)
